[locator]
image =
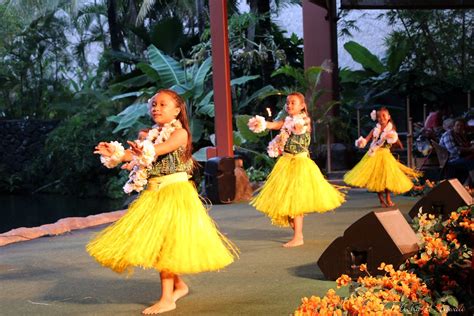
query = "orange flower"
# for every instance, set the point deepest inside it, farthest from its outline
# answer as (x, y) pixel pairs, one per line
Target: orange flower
(343, 280)
(363, 267)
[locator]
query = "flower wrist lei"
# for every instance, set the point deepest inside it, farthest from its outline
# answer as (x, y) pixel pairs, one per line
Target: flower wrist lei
(116, 158)
(257, 124)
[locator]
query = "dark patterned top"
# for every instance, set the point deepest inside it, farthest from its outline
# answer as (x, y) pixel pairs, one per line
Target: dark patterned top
(170, 163)
(298, 143)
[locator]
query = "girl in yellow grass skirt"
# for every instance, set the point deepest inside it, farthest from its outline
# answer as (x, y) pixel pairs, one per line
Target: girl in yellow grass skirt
(378, 170)
(295, 186)
(167, 227)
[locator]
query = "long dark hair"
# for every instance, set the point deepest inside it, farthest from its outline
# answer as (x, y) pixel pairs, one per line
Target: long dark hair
(183, 118)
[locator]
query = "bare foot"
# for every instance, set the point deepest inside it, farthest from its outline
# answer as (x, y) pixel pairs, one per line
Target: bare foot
(160, 307)
(382, 202)
(390, 203)
(180, 291)
(295, 242)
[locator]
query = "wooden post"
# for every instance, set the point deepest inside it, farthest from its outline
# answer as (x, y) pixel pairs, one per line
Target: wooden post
(221, 78)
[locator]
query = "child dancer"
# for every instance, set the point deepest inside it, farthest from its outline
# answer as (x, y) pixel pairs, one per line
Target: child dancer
(167, 227)
(378, 170)
(295, 186)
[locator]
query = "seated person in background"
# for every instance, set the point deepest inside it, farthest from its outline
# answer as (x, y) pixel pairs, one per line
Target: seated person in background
(461, 152)
(434, 119)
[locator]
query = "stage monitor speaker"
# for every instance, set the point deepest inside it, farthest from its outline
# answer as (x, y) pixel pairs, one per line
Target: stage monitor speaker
(380, 236)
(219, 179)
(443, 199)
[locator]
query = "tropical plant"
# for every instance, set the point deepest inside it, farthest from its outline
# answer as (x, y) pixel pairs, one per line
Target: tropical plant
(191, 82)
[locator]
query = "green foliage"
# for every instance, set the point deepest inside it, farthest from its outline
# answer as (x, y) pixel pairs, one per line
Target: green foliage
(257, 174)
(364, 57)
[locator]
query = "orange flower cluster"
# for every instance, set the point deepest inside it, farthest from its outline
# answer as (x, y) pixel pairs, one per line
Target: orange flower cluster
(395, 293)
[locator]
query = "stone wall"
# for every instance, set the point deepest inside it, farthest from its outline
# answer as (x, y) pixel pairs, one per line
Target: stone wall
(21, 141)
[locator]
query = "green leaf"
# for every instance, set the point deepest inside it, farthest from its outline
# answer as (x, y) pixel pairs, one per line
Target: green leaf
(356, 76)
(364, 57)
(207, 109)
(127, 95)
(170, 71)
(207, 99)
(238, 139)
(134, 82)
(128, 117)
(149, 71)
(313, 76)
(293, 72)
(201, 154)
(259, 94)
(197, 127)
(397, 55)
(242, 80)
(200, 77)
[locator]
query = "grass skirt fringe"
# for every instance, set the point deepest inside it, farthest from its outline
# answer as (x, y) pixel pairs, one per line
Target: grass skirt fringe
(167, 229)
(381, 171)
(295, 187)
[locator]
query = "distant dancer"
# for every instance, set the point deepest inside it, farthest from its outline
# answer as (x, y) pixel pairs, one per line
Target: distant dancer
(295, 186)
(378, 170)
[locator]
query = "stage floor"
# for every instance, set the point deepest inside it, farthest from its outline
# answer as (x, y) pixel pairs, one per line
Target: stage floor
(55, 276)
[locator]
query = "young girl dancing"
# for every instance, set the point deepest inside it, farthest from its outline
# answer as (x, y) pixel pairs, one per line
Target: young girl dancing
(167, 227)
(378, 170)
(295, 186)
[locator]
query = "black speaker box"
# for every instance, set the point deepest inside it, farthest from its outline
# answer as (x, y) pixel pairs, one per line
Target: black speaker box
(443, 199)
(219, 179)
(380, 236)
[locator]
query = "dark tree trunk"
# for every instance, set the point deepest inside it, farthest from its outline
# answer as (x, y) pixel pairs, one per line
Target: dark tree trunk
(115, 34)
(256, 32)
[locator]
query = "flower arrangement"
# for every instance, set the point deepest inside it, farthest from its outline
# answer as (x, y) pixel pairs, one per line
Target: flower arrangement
(445, 257)
(433, 282)
(394, 293)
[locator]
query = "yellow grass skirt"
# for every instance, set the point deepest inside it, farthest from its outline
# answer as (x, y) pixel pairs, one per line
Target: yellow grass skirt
(166, 228)
(381, 171)
(295, 187)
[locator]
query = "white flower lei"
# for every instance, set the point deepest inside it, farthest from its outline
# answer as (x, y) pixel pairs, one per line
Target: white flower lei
(293, 125)
(138, 177)
(379, 137)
